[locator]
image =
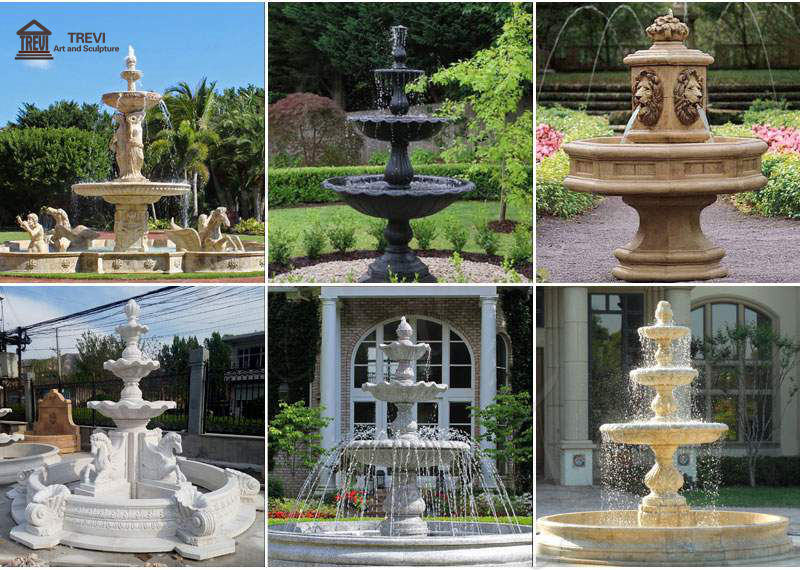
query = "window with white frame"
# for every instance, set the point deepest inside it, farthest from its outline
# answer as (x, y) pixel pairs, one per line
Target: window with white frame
(450, 363)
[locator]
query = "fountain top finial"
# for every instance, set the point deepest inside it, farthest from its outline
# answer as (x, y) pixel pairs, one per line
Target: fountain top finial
(399, 34)
(664, 314)
(130, 73)
(667, 28)
(404, 330)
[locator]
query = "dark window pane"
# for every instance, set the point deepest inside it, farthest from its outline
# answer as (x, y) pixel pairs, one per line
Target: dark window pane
(359, 375)
(427, 413)
(758, 377)
(436, 352)
(465, 429)
(428, 330)
(635, 303)
(364, 412)
(724, 410)
(365, 353)
(459, 413)
(390, 331)
(598, 302)
(725, 378)
(698, 331)
(459, 353)
(455, 337)
(391, 412)
(370, 337)
(501, 352)
(753, 317)
(501, 377)
(723, 315)
(432, 374)
(460, 376)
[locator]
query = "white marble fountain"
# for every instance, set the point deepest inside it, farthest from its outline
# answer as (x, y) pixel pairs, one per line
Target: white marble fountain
(134, 494)
(16, 457)
(407, 535)
(67, 249)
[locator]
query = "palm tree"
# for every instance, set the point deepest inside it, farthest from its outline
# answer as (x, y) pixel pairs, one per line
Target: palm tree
(195, 107)
(190, 150)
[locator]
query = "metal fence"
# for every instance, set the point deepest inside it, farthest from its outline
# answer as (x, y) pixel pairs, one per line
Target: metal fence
(234, 401)
(174, 387)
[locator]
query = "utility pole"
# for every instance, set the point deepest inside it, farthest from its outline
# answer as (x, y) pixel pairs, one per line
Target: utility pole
(58, 359)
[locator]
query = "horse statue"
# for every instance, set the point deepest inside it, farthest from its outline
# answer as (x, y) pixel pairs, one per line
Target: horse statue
(159, 461)
(102, 465)
(208, 236)
(66, 238)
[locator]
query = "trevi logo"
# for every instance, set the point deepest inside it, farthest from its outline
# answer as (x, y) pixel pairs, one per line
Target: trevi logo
(34, 42)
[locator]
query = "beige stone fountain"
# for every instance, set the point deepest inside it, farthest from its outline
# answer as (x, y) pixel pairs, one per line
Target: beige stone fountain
(664, 531)
(667, 165)
(131, 193)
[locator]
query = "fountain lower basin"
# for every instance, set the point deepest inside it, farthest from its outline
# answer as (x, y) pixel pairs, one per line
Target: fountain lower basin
(668, 184)
(718, 538)
(664, 433)
(361, 544)
(20, 457)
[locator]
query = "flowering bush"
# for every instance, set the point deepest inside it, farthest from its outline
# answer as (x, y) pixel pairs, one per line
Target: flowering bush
(779, 139)
(300, 515)
(548, 141)
(352, 498)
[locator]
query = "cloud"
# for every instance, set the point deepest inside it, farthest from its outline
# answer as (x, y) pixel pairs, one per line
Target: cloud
(42, 64)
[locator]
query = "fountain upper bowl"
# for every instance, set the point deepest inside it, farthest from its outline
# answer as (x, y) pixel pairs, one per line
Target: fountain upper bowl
(606, 166)
(399, 128)
(413, 453)
(121, 192)
(663, 376)
(396, 392)
(131, 101)
(372, 195)
(664, 433)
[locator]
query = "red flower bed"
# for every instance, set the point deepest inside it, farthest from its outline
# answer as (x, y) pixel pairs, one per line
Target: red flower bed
(299, 515)
(779, 139)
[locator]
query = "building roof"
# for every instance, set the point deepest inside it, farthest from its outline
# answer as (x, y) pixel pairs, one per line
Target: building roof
(42, 31)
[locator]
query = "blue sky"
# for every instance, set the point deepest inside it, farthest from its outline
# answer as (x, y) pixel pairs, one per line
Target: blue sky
(25, 305)
(173, 42)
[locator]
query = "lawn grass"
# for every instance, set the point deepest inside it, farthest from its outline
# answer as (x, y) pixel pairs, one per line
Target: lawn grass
(748, 497)
(293, 220)
(131, 276)
(754, 77)
(520, 520)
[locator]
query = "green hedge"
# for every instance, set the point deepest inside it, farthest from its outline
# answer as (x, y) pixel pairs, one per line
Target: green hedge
(770, 471)
(781, 196)
(293, 186)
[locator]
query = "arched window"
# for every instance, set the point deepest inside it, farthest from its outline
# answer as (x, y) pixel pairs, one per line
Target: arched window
(451, 363)
(742, 384)
(502, 361)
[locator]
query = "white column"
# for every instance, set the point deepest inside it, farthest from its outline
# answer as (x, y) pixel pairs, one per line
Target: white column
(488, 372)
(681, 301)
(576, 448)
(328, 371)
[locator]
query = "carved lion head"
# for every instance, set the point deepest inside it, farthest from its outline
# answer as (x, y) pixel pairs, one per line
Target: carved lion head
(688, 94)
(648, 95)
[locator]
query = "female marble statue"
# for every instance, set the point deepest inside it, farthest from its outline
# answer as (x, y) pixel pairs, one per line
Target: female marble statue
(134, 147)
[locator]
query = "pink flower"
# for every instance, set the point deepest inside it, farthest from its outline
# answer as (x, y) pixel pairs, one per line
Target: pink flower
(779, 139)
(548, 141)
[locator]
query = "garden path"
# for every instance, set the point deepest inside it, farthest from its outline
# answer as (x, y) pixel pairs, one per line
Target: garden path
(579, 250)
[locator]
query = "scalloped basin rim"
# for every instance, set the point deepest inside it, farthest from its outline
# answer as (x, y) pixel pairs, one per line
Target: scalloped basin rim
(382, 118)
(124, 188)
(446, 186)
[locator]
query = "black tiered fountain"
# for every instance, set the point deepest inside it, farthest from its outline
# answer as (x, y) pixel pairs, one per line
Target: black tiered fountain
(398, 195)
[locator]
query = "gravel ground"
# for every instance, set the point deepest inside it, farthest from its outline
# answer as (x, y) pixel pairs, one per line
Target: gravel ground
(758, 250)
(350, 271)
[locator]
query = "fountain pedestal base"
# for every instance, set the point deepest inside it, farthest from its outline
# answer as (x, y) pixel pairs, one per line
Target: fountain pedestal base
(130, 227)
(665, 513)
(669, 244)
(398, 262)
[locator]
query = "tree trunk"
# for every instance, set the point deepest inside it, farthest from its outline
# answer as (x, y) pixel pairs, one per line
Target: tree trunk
(194, 192)
(503, 208)
(751, 472)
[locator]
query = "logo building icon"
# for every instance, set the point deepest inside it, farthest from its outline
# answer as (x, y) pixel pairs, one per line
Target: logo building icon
(34, 39)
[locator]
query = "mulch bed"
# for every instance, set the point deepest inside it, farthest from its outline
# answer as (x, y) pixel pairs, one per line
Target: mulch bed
(276, 269)
(505, 227)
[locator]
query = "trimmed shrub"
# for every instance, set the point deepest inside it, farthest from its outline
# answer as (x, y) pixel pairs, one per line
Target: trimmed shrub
(378, 158)
(485, 237)
(280, 246)
(423, 156)
(732, 471)
(456, 233)
(522, 249)
(314, 239)
(292, 186)
(274, 488)
(341, 234)
(781, 196)
(375, 228)
(424, 231)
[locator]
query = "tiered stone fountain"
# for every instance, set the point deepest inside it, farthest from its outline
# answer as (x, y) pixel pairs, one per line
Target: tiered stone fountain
(667, 165)
(664, 531)
(398, 195)
(67, 249)
(403, 537)
(135, 494)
